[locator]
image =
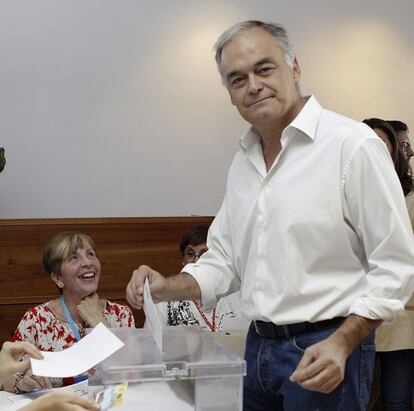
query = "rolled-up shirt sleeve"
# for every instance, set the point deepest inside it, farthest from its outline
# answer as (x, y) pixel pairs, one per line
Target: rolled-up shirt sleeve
(376, 210)
(214, 271)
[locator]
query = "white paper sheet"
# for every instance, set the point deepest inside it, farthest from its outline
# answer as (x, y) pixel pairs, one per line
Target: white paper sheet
(153, 320)
(85, 354)
(16, 405)
(80, 388)
(15, 402)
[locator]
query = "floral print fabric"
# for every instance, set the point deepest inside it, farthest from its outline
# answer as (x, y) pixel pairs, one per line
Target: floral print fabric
(42, 328)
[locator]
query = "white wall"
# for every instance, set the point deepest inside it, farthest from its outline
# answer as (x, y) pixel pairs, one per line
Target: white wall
(115, 108)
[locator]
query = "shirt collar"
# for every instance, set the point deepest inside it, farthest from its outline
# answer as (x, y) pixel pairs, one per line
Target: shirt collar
(306, 121)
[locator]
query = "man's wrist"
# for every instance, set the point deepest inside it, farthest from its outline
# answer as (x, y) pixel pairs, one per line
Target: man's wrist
(353, 332)
(182, 286)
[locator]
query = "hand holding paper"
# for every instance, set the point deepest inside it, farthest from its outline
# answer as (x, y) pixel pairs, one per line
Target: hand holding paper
(89, 351)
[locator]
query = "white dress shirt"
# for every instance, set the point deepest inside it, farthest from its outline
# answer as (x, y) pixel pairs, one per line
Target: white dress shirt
(324, 233)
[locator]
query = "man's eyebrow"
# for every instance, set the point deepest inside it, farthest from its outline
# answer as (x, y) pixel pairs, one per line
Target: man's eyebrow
(264, 61)
(257, 64)
(231, 74)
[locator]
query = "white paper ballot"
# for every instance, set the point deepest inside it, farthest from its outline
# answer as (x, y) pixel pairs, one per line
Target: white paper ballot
(80, 388)
(153, 320)
(16, 405)
(85, 354)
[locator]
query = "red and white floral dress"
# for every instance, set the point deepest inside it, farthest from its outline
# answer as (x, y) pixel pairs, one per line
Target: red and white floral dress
(42, 328)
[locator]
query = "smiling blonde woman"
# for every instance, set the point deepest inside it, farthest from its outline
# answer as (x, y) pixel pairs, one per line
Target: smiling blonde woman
(71, 260)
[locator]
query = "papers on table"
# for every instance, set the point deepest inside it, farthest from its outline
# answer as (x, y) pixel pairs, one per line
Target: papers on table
(20, 400)
(16, 405)
(152, 317)
(84, 355)
(80, 388)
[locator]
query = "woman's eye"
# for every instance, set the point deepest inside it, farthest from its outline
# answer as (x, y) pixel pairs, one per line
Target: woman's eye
(92, 253)
(73, 257)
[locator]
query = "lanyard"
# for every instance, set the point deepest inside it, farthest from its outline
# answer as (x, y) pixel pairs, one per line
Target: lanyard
(75, 331)
(69, 319)
(210, 325)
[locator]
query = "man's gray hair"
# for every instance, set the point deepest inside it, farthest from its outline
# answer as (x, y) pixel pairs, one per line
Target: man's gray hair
(276, 30)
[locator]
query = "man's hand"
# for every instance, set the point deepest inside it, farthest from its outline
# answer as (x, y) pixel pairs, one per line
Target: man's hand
(322, 367)
(61, 401)
(135, 288)
(91, 310)
(10, 354)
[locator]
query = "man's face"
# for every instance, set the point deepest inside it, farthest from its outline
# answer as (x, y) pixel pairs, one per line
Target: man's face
(404, 140)
(261, 85)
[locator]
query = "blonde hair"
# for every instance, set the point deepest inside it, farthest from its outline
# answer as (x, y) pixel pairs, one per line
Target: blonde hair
(61, 246)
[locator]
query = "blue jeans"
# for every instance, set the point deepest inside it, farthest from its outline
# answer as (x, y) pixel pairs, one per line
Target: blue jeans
(397, 379)
(270, 362)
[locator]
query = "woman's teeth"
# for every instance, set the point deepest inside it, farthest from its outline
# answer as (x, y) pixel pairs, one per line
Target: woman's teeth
(87, 275)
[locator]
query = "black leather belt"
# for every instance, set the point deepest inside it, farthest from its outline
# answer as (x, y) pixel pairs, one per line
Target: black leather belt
(270, 330)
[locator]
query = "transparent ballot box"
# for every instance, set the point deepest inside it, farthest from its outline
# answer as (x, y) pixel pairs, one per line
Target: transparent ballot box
(194, 371)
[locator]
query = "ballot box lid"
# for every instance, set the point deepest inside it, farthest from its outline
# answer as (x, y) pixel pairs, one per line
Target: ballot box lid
(188, 353)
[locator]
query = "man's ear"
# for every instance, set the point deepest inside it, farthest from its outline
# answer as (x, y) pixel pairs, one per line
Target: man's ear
(55, 279)
(296, 70)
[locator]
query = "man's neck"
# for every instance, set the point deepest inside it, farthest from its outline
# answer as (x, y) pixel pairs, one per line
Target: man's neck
(271, 133)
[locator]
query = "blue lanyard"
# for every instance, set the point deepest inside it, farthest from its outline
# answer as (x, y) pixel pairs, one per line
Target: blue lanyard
(75, 331)
(69, 319)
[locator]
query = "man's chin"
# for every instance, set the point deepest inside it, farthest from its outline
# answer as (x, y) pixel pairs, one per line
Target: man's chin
(260, 116)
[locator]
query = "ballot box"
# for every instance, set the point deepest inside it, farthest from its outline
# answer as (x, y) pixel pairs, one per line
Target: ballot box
(193, 371)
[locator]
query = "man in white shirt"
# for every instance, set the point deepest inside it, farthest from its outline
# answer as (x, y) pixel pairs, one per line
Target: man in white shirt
(313, 230)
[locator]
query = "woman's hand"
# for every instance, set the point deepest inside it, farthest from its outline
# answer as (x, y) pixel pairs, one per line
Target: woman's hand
(28, 382)
(61, 401)
(10, 354)
(91, 310)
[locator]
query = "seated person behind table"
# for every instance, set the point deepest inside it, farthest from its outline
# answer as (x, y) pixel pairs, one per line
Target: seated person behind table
(70, 259)
(192, 246)
(57, 400)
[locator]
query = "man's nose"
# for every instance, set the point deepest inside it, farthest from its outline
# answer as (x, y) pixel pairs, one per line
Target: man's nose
(255, 84)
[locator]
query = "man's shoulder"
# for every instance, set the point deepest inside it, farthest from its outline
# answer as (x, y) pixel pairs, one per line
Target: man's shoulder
(343, 127)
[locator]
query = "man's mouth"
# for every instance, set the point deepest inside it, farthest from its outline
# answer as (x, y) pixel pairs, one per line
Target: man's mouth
(258, 101)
